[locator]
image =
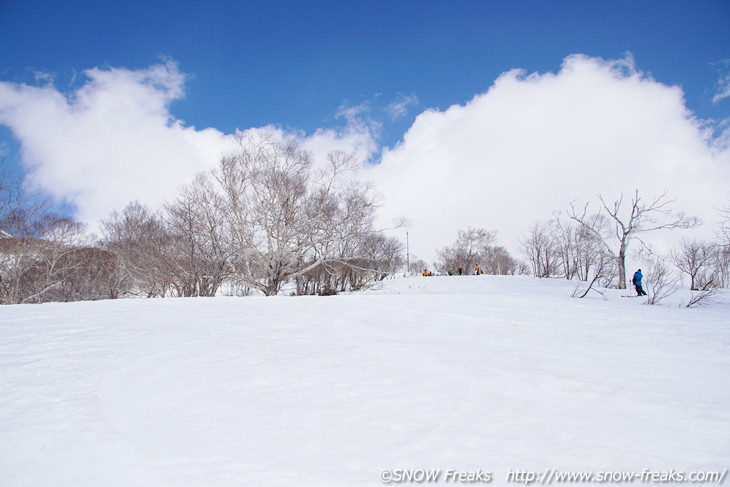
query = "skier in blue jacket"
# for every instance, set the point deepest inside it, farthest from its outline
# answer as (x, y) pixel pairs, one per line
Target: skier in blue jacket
(638, 276)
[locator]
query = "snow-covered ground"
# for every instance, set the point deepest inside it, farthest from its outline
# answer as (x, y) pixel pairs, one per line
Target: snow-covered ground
(460, 373)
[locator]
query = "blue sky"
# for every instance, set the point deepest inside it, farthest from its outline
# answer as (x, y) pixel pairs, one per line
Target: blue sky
(331, 65)
(294, 63)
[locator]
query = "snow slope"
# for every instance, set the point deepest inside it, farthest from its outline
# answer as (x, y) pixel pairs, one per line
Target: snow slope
(457, 373)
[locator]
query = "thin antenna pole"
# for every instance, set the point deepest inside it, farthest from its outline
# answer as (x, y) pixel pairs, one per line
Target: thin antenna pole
(408, 255)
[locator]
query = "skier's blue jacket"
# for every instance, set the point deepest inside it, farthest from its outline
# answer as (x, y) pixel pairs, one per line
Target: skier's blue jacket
(637, 278)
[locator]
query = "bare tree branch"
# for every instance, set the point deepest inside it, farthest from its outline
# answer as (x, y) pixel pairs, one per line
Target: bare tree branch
(641, 217)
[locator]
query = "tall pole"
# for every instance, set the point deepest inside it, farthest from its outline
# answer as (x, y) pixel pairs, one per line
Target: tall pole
(408, 255)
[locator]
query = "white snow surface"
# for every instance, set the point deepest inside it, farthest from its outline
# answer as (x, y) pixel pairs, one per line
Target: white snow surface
(464, 373)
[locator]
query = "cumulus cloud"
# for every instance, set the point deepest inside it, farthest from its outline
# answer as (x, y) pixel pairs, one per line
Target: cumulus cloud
(529, 145)
(114, 140)
(111, 141)
(534, 142)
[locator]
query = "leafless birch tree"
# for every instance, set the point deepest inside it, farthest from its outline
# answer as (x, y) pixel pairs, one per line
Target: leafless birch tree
(469, 249)
(142, 242)
(540, 248)
(662, 282)
(198, 252)
(627, 222)
(696, 258)
(284, 218)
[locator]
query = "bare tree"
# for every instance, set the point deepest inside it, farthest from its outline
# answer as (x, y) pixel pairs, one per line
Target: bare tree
(722, 256)
(469, 249)
(541, 251)
(372, 258)
(17, 261)
(34, 244)
(199, 254)
(497, 261)
(417, 265)
(702, 297)
(91, 273)
(54, 268)
(141, 240)
(283, 218)
(724, 230)
(601, 269)
(37, 268)
(23, 213)
(578, 249)
(721, 266)
(660, 281)
(626, 224)
(375, 258)
(695, 258)
(9, 188)
(477, 246)
(566, 246)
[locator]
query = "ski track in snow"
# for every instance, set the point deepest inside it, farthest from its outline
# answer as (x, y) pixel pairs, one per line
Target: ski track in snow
(443, 372)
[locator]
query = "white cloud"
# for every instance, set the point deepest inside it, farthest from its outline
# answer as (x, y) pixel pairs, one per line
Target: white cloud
(723, 90)
(44, 77)
(359, 120)
(723, 82)
(533, 143)
(111, 141)
(114, 139)
(508, 157)
(399, 108)
(357, 139)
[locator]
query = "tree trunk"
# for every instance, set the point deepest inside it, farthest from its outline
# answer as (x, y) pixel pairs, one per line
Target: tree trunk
(622, 268)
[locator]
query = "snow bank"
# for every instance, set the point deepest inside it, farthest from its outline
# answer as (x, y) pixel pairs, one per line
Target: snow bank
(457, 373)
